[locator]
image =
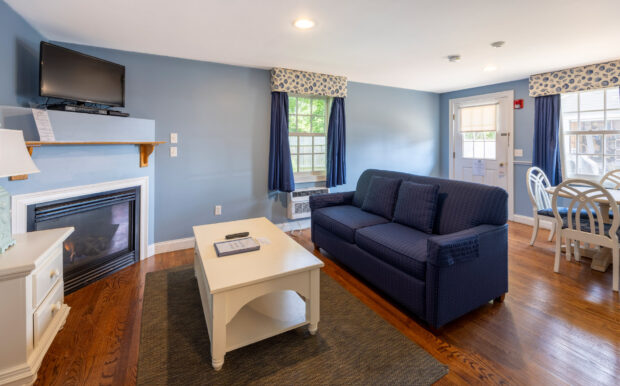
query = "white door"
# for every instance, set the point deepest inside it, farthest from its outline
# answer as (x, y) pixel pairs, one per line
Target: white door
(481, 140)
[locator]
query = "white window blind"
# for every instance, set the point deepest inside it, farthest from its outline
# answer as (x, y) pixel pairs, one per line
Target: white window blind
(479, 118)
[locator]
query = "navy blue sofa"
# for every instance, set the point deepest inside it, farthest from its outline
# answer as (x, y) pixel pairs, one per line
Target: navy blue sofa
(437, 273)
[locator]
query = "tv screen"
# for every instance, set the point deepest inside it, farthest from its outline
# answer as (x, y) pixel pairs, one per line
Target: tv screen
(68, 74)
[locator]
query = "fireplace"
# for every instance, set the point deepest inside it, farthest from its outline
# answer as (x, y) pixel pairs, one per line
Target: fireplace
(106, 237)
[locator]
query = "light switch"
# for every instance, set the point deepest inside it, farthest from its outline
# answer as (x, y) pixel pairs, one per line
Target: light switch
(173, 151)
(174, 138)
(518, 152)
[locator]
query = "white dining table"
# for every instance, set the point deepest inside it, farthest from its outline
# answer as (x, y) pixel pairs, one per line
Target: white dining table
(601, 257)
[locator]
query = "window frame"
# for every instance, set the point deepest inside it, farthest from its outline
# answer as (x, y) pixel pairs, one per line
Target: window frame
(565, 135)
(314, 175)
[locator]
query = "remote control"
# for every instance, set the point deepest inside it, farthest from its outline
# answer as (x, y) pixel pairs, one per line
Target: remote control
(237, 235)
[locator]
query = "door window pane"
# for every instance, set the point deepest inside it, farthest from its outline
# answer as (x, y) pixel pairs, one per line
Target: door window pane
(489, 150)
(468, 149)
(478, 150)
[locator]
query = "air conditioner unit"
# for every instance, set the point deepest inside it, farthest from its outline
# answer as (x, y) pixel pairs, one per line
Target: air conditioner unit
(298, 202)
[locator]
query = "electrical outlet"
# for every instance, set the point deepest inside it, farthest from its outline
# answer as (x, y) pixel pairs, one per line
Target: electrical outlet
(518, 152)
(218, 210)
(174, 137)
(173, 151)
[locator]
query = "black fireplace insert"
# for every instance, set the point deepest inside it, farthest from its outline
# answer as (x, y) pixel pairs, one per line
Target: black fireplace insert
(106, 237)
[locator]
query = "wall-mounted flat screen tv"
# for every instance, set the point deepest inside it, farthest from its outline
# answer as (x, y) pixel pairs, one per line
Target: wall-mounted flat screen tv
(72, 75)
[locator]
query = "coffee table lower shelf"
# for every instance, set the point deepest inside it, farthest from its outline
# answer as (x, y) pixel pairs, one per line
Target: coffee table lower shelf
(267, 316)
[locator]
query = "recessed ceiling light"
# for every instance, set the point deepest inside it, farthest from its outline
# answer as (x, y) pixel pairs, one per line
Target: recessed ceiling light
(490, 68)
(454, 58)
(498, 44)
(304, 23)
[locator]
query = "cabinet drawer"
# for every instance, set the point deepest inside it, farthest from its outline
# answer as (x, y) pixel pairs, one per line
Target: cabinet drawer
(46, 276)
(46, 312)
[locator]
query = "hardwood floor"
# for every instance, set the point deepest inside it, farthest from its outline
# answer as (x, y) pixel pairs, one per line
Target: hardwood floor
(552, 328)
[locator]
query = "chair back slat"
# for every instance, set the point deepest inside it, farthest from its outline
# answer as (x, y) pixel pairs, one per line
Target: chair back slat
(584, 213)
(611, 179)
(537, 182)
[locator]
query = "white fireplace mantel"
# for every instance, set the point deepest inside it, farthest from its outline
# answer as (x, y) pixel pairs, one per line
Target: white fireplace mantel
(21, 202)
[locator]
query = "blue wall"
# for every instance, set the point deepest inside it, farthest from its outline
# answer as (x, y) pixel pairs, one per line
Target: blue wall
(523, 134)
(19, 59)
(222, 115)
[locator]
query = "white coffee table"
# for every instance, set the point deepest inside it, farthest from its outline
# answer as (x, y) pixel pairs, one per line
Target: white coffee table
(255, 295)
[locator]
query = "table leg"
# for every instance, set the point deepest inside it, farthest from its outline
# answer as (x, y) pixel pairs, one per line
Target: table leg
(601, 260)
(218, 336)
(312, 303)
(605, 212)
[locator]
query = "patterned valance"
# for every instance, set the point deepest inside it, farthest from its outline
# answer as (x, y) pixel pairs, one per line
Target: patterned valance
(312, 83)
(581, 78)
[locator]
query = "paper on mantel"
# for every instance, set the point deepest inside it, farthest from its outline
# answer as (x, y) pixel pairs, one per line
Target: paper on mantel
(44, 125)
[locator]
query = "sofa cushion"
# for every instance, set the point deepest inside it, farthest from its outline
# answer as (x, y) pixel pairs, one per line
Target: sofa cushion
(563, 211)
(381, 196)
(398, 245)
(416, 206)
(461, 205)
(344, 220)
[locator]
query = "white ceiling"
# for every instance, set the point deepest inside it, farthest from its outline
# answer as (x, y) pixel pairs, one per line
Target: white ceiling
(389, 42)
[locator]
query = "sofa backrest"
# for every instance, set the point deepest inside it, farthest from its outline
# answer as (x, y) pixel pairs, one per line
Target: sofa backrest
(461, 205)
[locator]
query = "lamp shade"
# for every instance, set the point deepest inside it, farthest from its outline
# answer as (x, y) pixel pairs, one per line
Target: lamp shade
(14, 157)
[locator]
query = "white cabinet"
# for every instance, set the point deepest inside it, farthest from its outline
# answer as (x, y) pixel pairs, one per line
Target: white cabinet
(32, 308)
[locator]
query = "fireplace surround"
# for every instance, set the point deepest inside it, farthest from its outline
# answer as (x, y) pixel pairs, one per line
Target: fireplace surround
(21, 202)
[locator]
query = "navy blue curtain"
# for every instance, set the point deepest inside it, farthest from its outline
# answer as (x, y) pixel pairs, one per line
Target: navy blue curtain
(280, 166)
(547, 137)
(336, 145)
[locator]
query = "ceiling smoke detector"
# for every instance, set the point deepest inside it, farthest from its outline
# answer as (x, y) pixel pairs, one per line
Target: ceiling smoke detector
(454, 58)
(498, 44)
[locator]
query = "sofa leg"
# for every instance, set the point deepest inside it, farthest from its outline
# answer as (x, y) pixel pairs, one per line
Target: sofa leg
(499, 299)
(316, 248)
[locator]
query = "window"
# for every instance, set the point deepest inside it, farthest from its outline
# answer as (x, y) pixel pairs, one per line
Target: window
(307, 121)
(478, 126)
(590, 133)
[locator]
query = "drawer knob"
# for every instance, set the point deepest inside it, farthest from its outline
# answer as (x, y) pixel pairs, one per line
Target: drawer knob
(54, 273)
(56, 307)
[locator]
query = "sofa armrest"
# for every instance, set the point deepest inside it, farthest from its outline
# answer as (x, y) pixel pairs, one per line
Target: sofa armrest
(318, 201)
(465, 270)
(450, 249)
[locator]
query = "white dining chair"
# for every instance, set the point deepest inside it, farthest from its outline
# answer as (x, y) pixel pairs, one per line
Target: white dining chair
(611, 179)
(585, 222)
(537, 182)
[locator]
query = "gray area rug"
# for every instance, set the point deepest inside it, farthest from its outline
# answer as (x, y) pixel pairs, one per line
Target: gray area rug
(354, 345)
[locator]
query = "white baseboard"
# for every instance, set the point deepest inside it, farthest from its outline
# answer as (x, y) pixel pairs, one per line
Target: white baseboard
(173, 245)
(188, 242)
(544, 224)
